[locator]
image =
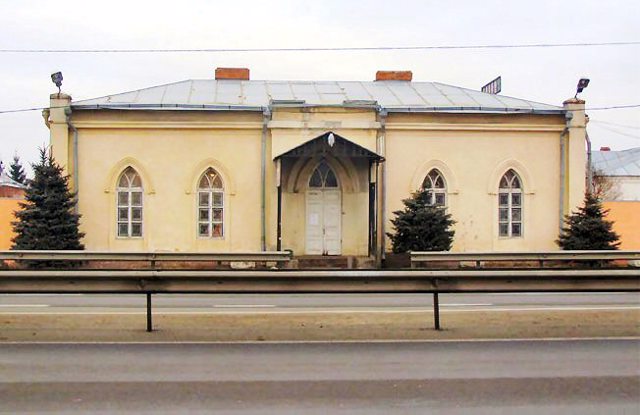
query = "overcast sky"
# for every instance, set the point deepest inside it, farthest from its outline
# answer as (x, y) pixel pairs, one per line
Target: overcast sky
(546, 75)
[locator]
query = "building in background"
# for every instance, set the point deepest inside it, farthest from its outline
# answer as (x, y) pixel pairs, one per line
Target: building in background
(617, 176)
(11, 194)
(318, 167)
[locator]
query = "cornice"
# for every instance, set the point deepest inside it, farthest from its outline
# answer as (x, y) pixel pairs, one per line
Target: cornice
(174, 125)
(472, 127)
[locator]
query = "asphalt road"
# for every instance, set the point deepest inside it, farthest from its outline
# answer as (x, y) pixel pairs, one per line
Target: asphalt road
(275, 302)
(488, 377)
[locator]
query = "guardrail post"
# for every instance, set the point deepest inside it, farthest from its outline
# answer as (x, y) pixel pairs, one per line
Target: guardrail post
(436, 311)
(149, 321)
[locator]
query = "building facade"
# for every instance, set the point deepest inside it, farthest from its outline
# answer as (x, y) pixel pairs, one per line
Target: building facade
(618, 175)
(11, 194)
(231, 164)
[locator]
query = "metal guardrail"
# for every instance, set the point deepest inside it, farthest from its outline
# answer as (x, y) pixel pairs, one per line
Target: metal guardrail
(480, 257)
(330, 281)
(268, 256)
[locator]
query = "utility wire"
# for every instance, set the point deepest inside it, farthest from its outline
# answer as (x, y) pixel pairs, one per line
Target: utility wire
(614, 107)
(327, 49)
(66, 106)
(633, 127)
(613, 130)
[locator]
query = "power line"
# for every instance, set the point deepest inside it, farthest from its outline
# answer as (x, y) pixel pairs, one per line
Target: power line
(633, 127)
(327, 49)
(614, 107)
(613, 130)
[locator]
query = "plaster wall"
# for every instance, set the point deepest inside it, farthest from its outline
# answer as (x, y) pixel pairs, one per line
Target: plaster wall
(170, 162)
(626, 222)
(7, 208)
(472, 160)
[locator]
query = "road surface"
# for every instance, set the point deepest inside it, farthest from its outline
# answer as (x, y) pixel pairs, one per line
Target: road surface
(275, 302)
(479, 377)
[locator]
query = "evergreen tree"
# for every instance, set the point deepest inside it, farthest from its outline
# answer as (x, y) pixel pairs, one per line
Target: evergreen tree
(16, 172)
(46, 219)
(587, 229)
(421, 226)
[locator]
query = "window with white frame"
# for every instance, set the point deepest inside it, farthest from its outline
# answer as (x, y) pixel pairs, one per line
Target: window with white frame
(436, 188)
(510, 205)
(323, 177)
(210, 205)
(129, 204)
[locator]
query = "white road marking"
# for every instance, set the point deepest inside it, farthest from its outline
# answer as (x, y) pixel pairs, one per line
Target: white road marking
(25, 305)
(466, 304)
(383, 341)
(548, 308)
(244, 305)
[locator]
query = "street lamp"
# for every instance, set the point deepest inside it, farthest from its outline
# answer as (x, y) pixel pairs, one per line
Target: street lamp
(582, 84)
(56, 78)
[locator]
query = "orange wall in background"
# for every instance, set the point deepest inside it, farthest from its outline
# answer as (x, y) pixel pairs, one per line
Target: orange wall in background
(626, 222)
(7, 207)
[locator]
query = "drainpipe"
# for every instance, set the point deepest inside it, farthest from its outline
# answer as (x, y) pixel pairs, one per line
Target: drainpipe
(381, 150)
(563, 163)
(589, 170)
(76, 183)
(266, 116)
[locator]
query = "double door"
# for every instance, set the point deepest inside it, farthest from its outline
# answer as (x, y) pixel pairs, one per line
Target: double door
(323, 222)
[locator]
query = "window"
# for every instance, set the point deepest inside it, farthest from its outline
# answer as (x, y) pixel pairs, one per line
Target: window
(210, 205)
(323, 176)
(510, 205)
(436, 188)
(129, 204)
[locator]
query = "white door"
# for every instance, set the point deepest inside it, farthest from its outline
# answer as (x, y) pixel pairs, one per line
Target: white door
(332, 220)
(324, 213)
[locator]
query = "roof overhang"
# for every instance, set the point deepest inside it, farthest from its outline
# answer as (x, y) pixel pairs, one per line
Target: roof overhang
(330, 144)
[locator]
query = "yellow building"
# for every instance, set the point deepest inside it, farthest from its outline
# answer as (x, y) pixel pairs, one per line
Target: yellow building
(231, 164)
(618, 175)
(11, 194)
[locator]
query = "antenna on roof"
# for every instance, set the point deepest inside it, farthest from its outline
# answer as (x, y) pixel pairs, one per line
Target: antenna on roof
(494, 87)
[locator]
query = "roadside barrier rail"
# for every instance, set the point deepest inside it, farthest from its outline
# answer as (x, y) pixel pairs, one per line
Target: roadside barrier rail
(150, 282)
(151, 257)
(481, 258)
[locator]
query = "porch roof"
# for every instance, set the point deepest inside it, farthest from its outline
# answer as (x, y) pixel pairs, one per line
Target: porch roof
(332, 144)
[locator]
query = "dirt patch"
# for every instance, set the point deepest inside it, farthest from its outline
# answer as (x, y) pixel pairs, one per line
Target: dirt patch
(299, 326)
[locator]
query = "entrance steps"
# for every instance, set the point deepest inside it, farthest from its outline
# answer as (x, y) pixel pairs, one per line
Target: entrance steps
(333, 262)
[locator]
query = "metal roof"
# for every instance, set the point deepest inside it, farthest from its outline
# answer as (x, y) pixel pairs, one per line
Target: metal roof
(7, 181)
(617, 163)
(393, 96)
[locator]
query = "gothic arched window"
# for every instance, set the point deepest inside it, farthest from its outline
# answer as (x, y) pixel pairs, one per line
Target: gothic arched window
(323, 176)
(510, 205)
(436, 188)
(129, 204)
(210, 205)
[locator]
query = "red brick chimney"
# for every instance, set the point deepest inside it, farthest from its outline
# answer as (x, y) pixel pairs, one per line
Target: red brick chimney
(232, 73)
(394, 76)
(605, 148)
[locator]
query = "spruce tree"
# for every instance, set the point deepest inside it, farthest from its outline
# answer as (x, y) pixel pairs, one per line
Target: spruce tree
(587, 229)
(16, 172)
(47, 219)
(421, 226)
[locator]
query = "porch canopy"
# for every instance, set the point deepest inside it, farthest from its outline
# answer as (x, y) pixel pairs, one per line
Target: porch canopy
(330, 144)
(339, 219)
